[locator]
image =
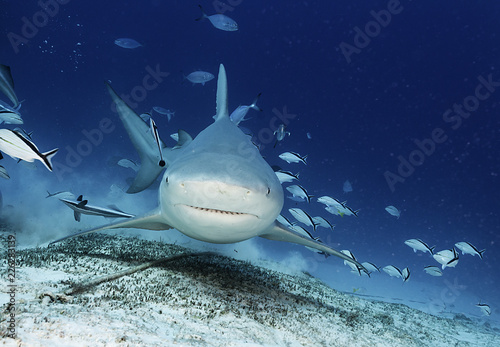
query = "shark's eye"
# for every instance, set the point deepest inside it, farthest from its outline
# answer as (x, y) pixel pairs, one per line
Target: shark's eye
(166, 179)
(268, 190)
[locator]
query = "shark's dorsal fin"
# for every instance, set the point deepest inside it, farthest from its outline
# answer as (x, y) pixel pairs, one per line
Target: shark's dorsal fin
(222, 111)
(184, 138)
(82, 203)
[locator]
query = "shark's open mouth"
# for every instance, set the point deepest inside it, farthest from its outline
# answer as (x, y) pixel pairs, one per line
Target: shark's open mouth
(212, 210)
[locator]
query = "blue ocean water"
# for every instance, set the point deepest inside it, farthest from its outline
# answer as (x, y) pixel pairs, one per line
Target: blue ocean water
(400, 98)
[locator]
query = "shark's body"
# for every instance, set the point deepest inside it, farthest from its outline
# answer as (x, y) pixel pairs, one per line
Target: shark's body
(216, 188)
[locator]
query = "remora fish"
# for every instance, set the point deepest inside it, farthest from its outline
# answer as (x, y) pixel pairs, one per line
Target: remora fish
(292, 157)
(7, 84)
(447, 258)
(200, 199)
(219, 21)
(154, 131)
(199, 77)
(241, 111)
(14, 144)
(419, 245)
(468, 248)
(80, 207)
(280, 134)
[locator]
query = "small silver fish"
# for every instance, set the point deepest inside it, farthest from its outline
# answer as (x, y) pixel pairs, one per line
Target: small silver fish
(219, 21)
(286, 176)
(200, 77)
(485, 309)
(300, 192)
(280, 134)
(433, 271)
(9, 114)
(127, 43)
(393, 211)
(241, 111)
(61, 195)
(127, 163)
(347, 188)
(293, 157)
(469, 248)
(14, 144)
(322, 222)
(302, 217)
(164, 111)
(447, 258)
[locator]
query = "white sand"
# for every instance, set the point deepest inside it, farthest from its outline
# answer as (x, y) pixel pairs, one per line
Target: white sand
(203, 301)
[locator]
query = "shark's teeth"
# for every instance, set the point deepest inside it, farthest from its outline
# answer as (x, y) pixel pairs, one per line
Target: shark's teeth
(217, 211)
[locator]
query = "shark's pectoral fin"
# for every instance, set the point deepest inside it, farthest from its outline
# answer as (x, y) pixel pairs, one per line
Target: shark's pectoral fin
(146, 175)
(279, 232)
(143, 141)
(152, 221)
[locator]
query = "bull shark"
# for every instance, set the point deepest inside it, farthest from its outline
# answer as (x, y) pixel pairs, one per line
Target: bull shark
(7, 84)
(216, 187)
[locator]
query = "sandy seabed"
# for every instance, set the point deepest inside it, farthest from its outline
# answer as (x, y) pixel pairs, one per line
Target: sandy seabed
(199, 299)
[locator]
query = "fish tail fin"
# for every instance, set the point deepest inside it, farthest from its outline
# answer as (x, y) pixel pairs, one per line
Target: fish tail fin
(47, 158)
(432, 250)
(48, 196)
(304, 158)
(203, 14)
(481, 253)
(254, 104)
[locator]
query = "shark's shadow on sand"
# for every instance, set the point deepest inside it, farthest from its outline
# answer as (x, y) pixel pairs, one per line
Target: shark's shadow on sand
(229, 279)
